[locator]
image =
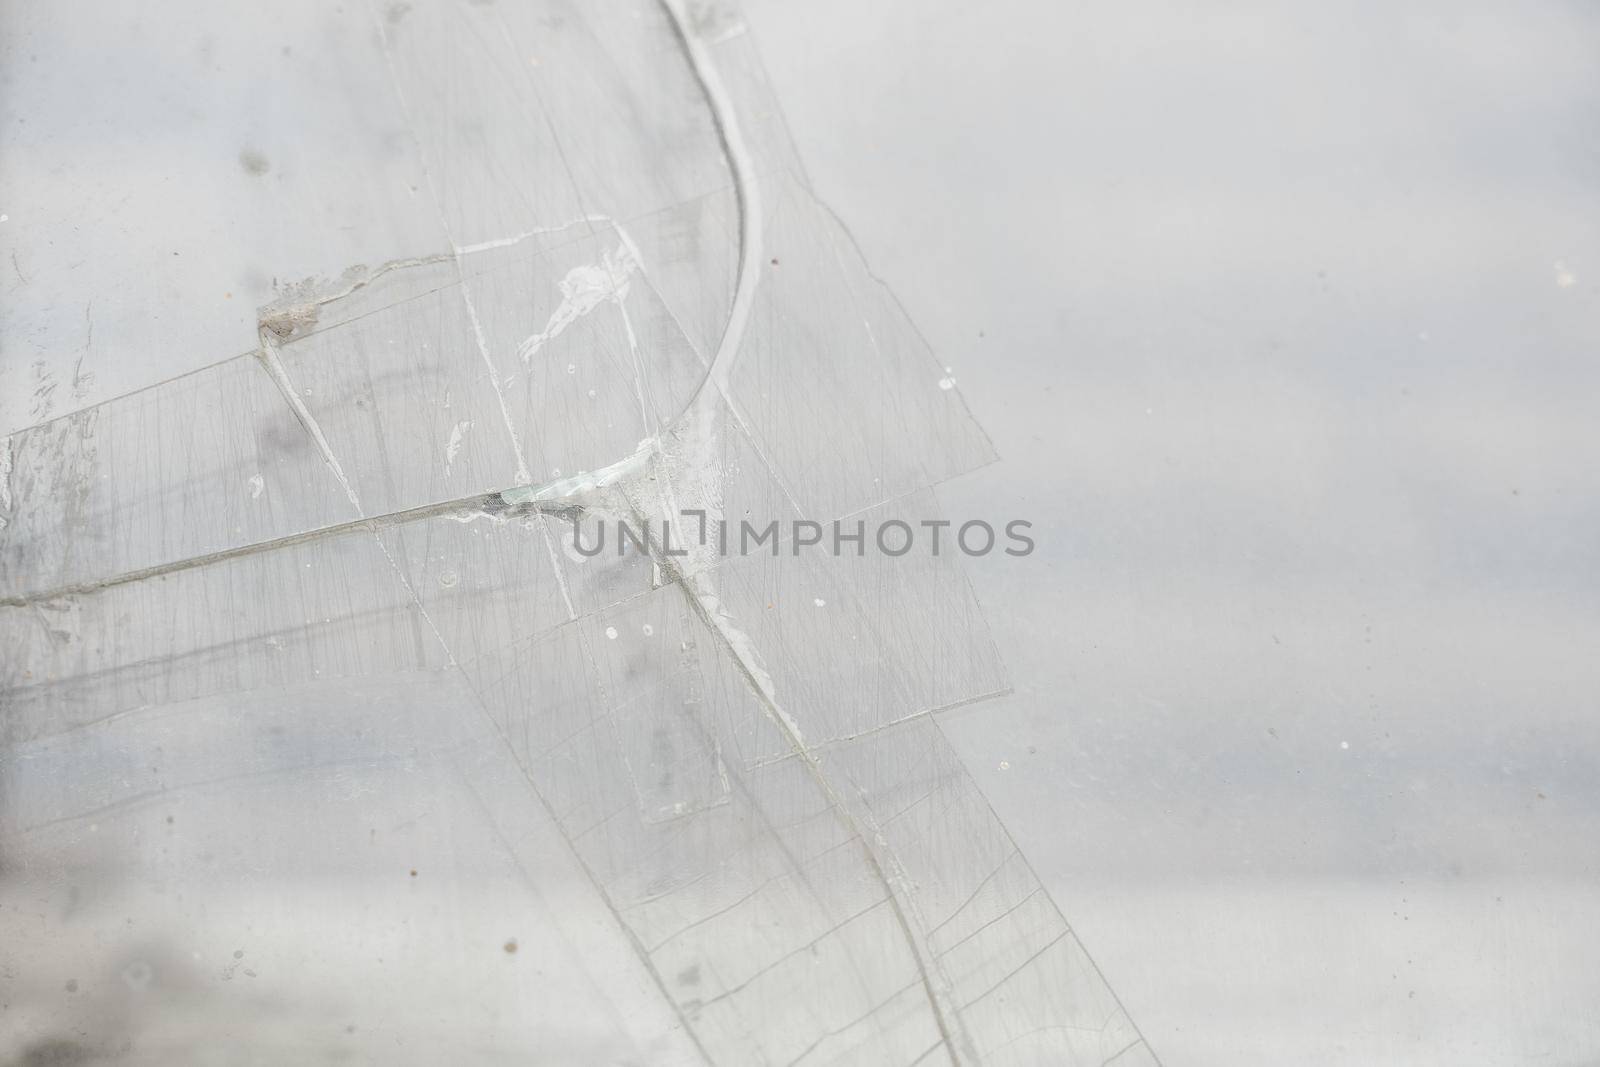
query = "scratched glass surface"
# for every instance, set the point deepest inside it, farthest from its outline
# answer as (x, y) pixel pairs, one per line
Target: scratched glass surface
(327, 326)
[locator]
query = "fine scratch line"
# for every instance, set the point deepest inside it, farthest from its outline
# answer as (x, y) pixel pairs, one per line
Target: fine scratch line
(268, 354)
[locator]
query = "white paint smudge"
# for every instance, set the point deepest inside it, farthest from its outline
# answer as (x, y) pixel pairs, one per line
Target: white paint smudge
(6, 460)
(256, 484)
(1565, 279)
(611, 633)
(947, 383)
(457, 433)
(582, 290)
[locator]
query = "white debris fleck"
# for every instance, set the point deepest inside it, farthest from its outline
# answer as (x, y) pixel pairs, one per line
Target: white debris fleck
(457, 433)
(1565, 279)
(819, 602)
(256, 484)
(611, 633)
(947, 383)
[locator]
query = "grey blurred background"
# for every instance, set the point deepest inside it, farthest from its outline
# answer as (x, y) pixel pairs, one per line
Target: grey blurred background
(1283, 319)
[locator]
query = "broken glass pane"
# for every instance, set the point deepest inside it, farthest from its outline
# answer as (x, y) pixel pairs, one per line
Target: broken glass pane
(324, 736)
